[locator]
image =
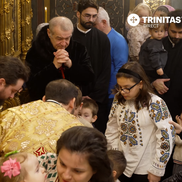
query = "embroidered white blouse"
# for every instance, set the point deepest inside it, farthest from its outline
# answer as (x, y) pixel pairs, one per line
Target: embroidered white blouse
(145, 136)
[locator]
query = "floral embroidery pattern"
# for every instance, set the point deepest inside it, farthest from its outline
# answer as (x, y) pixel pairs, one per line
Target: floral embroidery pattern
(113, 108)
(173, 133)
(128, 127)
(165, 146)
(159, 111)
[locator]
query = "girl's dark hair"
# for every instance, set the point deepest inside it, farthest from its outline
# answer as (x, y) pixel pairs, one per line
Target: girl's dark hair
(144, 96)
(93, 144)
(163, 9)
(84, 4)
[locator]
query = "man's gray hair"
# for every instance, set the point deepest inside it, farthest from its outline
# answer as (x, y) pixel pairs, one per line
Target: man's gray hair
(64, 23)
(103, 15)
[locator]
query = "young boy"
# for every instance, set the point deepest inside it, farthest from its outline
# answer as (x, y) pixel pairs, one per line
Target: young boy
(89, 110)
(118, 161)
(153, 56)
(78, 107)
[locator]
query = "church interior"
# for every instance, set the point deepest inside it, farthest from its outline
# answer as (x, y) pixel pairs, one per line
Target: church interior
(19, 20)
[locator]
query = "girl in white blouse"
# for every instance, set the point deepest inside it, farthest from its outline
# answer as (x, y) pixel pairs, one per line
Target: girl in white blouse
(138, 125)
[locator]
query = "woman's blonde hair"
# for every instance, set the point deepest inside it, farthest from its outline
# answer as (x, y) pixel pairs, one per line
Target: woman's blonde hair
(142, 6)
(20, 157)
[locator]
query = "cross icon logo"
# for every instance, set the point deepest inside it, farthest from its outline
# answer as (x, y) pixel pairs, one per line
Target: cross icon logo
(133, 19)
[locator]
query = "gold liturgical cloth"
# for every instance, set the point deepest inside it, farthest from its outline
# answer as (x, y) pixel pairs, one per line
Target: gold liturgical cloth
(34, 127)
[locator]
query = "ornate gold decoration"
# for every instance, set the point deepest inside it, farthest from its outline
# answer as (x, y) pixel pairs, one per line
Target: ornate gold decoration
(16, 35)
(11, 2)
(12, 50)
(7, 33)
(153, 4)
(6, 7)
(28, 20)
(27, 35)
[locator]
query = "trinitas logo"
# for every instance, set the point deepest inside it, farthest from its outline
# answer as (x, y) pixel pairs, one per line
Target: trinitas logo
(134, 20)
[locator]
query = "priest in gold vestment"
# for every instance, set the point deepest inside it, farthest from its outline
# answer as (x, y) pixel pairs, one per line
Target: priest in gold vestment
(35, 127)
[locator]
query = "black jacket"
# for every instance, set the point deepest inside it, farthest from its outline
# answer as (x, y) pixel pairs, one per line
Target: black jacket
(40, 59)
(173, 68)
(153, 56)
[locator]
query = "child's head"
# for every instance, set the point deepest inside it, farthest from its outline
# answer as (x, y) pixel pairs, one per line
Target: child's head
(26, 167)
(78, 103)
(142, 10)
(118, 161)
(158, 32)
(89, 110)
(133, 84)
(163, 10)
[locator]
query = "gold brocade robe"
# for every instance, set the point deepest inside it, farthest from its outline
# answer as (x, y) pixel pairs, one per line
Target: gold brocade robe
(34, 127)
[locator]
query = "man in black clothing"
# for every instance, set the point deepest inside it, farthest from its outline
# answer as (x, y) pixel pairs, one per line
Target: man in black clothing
(173, 44)
(172, 95)
(54, 55)
(98, 46)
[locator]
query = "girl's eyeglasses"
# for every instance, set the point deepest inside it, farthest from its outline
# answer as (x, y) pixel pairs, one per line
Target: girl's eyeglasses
(125, 90)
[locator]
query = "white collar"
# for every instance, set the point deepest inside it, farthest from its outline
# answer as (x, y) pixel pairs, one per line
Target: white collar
(54, 101)
(85, 32)
(173, 44)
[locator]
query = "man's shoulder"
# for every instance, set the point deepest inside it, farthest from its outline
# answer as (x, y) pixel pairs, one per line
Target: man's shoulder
(115, 36)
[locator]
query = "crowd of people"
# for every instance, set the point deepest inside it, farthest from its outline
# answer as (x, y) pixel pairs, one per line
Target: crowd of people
(102, 107)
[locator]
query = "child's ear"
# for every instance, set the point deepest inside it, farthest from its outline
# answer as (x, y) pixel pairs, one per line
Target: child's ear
(94, 118)
(81, 105)
(114, 173)
(44, 98)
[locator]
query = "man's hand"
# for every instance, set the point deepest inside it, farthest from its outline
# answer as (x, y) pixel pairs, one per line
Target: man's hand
(62, 57)
(160, 86)
(153, 178)
(177, 126)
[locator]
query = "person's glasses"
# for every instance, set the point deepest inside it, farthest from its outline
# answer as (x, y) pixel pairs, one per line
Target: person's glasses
(125, 90)
(88, 16)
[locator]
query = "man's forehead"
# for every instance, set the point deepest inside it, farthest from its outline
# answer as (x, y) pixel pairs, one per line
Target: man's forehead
(90, 10)
(62, 34)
